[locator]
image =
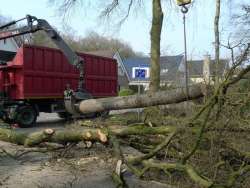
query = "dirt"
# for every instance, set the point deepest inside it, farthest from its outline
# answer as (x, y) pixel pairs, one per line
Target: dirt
(75, 167)
(90, 168)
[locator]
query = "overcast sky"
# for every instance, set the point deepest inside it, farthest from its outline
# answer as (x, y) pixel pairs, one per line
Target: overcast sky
(136, 29)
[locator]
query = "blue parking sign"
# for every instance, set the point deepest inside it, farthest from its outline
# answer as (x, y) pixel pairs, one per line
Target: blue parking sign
(140, 73)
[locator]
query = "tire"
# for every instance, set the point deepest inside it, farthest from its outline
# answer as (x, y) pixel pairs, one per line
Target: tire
(104, 114)
(90, 115)
(64, 115)
(25, 116)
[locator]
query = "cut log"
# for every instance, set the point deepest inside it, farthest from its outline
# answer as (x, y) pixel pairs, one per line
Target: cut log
(64, 136)
(50, 135)
(140, 101)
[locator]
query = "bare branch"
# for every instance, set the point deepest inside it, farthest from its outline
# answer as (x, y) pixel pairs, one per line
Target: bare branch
(116, 5)
(110, 8)
(128, 12)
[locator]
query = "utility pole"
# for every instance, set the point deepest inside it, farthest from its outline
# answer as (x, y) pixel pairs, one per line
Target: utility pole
(184, 11)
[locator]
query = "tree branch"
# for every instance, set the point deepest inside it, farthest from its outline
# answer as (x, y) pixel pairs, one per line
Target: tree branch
(188, 169)
(153, 152)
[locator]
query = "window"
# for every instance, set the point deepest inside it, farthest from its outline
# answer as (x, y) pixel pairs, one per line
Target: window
(164, 71)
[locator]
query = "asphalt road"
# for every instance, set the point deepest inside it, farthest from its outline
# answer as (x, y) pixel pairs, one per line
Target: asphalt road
(39, 170)
(48, 117)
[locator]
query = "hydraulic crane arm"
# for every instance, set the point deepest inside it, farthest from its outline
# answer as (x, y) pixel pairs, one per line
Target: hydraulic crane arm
(34, 25)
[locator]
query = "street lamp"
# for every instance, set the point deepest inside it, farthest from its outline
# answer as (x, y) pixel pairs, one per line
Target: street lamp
(184, 10)
(183, 2)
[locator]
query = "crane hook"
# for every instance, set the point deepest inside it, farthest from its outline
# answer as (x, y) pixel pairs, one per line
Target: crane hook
(184, 9)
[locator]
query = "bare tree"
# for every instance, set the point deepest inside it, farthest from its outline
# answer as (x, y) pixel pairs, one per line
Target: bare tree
(92, 42)
(217, 40)
(231, 47)
(155, 45)
(246, 14)
(242, 19)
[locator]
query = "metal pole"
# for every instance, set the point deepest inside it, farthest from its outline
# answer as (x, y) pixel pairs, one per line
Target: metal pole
(138, 92)
(184, 10)
(138, 110)
(185, 48)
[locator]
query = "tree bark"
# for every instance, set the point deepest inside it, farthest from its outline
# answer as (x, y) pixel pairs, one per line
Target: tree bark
(77, 135)
(188, 169)
(139, 101)
(155, 35)
(50, 135)
(217, 42)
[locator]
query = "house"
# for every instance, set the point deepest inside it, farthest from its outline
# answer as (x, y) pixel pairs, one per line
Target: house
(172, 70)
(171, 73)
(122, 74)
(205, 70)
(9, 47)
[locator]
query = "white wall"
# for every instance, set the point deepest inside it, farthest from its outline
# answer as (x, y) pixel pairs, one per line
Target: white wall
(8, 45)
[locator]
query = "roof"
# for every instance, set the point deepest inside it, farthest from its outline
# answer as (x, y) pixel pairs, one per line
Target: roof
(103, 53)
(6, 55)
(169, 63)
(195, 67)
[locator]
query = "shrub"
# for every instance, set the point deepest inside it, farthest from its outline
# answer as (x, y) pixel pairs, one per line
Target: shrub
(126, 92)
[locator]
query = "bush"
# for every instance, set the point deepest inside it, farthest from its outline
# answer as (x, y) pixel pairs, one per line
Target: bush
(126, 92)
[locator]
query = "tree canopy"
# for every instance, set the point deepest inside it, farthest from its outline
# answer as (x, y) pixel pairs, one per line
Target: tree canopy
(92, 42)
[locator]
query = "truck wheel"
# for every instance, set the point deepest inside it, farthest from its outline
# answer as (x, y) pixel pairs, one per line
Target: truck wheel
(90, 115)
(103, 114)
(64, 115)
(26, 116)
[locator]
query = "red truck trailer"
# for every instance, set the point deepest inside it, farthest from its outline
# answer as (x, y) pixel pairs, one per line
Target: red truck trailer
(34, 80)
(38, 79)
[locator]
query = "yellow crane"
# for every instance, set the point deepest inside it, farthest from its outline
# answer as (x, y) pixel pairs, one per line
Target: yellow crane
(183, 2)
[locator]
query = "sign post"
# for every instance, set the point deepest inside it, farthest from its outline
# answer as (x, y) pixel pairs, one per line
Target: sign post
(140, 74)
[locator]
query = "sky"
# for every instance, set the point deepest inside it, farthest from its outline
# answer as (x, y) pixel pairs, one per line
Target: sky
(136, 29)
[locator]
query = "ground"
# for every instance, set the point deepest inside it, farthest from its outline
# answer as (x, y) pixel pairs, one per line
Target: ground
(77, 167)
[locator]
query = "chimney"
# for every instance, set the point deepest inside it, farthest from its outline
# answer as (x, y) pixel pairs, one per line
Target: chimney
(206, 68)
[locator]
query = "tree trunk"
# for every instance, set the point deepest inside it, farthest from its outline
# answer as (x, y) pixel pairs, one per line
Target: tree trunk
(64, 136)
(139, 101)
(217, 42)
(51, 135)
(155, 35)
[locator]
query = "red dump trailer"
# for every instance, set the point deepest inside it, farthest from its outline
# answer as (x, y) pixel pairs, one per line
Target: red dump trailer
(36, 77)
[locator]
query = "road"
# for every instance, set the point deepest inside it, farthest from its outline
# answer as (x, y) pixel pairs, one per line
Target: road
(84, 167)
